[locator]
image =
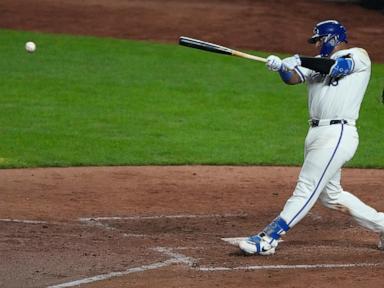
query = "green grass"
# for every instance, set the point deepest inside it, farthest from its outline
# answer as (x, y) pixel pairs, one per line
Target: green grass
(91, 101)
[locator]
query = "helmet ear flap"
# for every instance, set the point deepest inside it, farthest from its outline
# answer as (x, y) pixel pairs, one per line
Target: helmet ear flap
(342, 38)
(333, 40)
(329, 43)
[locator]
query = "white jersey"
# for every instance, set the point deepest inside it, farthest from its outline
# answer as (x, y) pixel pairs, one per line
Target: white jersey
(338, 99)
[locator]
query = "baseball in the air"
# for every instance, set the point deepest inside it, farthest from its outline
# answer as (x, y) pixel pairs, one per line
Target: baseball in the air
(30, 47)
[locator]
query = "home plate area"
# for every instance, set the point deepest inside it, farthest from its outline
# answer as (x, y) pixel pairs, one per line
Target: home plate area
(195, 242)
(90, 250)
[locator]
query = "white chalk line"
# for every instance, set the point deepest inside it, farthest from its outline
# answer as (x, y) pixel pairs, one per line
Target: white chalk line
(101, 277)
(135, 217)
(98, 221)
(178, 258)
(23, 221)
(177, 216)
(110, 228)
(299, 266)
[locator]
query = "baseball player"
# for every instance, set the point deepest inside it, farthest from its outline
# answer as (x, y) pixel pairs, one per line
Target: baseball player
(336, 79)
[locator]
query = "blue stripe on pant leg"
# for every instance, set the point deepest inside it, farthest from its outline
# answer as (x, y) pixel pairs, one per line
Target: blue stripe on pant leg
(322, 176)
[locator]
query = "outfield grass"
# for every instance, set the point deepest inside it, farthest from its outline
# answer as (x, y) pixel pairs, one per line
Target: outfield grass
(92, 101)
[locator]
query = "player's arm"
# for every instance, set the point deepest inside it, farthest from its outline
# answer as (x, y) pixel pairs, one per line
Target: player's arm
(291, 72)
(337, 68)
(291, 77)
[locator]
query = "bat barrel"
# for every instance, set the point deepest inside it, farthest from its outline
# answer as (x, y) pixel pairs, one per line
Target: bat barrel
(202, 45)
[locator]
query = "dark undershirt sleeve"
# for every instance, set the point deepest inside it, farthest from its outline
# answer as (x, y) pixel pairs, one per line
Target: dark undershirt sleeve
(322, 65)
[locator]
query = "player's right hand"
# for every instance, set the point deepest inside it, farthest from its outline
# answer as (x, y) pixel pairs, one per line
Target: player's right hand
(291, 62)
(273, 63)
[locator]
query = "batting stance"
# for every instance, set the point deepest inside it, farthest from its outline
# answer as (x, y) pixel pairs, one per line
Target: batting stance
(337, 80)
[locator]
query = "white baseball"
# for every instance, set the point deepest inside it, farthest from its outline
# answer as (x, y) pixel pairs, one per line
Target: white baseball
(30, 46)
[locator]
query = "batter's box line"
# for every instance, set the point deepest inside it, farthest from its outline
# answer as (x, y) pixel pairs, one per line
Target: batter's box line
(98, 221)
(156, 217)
(105, 226)
(175, 258)
(178, 258)
(24, 221)
(298, 266)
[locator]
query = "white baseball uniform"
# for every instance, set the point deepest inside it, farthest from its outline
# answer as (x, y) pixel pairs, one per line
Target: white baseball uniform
(329, 147)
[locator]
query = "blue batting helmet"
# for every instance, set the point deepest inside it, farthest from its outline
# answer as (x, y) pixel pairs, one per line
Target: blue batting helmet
(332, 33)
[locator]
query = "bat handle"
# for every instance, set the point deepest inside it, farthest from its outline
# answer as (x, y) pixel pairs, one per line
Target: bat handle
(248, 56)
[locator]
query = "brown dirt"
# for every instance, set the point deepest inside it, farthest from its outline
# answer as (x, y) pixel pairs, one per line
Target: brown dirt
(278, 26)
(211, 202)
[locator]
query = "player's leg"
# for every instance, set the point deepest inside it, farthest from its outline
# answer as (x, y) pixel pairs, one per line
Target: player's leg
(334, 197)
(327, 149)
(314, 174)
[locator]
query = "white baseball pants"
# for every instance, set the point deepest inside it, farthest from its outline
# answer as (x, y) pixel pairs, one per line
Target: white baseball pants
(327, 149)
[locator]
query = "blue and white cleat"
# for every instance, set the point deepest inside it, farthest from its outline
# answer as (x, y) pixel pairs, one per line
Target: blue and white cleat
(265, 243)
(260, 244)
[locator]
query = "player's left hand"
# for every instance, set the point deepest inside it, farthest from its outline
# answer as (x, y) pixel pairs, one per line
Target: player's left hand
(273, 63)
(291, 62)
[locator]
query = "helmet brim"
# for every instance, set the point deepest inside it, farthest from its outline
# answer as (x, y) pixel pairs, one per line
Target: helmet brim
(314, 39)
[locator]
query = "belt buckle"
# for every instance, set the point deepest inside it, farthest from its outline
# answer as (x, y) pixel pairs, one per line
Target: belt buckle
(342, 121)
(332, 122)
(314, 122)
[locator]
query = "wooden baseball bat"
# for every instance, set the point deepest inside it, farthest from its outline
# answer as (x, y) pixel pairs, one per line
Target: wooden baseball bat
(198, 44)
(322, 65)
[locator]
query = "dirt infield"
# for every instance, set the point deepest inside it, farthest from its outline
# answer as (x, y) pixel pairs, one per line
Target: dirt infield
(161, 227)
